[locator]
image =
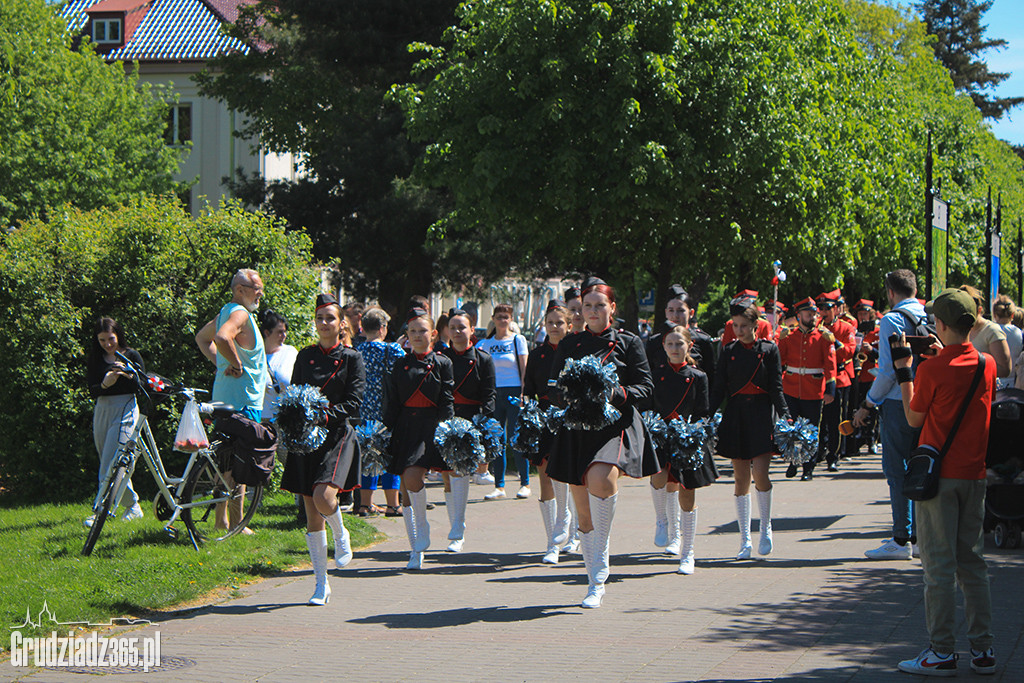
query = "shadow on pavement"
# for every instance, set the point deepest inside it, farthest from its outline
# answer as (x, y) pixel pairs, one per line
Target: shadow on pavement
(464, 616)
(782, 524)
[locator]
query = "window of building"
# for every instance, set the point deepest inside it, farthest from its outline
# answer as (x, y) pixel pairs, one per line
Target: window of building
(106, 31)
(179, 124)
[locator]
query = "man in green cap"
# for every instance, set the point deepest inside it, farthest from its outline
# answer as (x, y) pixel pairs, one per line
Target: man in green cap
(949, 526)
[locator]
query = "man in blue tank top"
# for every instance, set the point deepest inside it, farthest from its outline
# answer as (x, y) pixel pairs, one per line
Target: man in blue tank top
(233, 343)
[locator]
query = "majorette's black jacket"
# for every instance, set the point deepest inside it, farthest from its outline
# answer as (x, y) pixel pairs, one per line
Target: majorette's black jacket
(473, 374)
(338, 373)
(430, 375)
(622, 348)
(682, 394)
(759, 365)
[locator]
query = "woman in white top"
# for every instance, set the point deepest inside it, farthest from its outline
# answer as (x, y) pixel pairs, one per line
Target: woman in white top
(509, 352)
(1002, 315)
(280, 359)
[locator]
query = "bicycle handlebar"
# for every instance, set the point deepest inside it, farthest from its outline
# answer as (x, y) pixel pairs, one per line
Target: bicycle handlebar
(175, 389)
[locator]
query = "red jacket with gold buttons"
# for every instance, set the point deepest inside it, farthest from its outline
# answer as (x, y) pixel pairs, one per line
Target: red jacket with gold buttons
(846, 335)
(808, 363)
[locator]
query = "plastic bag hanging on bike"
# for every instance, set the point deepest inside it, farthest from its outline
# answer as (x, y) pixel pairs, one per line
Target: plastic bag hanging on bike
(191, 436)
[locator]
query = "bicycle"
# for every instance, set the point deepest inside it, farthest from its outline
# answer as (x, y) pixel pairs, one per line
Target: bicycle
(204, 484)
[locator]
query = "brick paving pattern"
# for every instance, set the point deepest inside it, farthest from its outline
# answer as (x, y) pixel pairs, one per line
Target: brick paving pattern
(815, 610)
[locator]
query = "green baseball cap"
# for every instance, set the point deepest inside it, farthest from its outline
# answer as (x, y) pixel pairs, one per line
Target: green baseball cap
(954, 307)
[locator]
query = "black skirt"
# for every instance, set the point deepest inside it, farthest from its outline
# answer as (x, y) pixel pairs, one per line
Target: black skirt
(704, 475)
(625, 444)
(412, 441)
(336, 463)
(746, 428)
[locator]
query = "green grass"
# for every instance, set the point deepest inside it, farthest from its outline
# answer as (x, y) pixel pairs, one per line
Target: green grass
(135, 569)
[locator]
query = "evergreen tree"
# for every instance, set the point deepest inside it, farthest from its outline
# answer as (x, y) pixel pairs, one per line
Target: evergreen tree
(960, 44)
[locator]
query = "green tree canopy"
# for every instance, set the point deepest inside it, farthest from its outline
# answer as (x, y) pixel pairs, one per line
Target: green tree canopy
(960, 44)
(75, 128)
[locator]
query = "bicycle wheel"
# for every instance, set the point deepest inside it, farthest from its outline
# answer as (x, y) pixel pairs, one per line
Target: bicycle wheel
(107, 503)
(204, 490)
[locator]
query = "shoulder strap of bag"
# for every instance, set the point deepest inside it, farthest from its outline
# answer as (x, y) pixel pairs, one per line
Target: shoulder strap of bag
(963, 408)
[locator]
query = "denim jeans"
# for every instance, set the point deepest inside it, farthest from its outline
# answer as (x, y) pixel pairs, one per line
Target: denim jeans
(951, 540)
(506, 413)
(898, 440)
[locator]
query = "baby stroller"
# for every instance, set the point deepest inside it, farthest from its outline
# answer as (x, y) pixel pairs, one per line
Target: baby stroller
(1004, 462)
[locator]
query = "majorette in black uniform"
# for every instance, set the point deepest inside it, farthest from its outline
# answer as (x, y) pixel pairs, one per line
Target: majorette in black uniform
(340, 376)
(683, 393)
(538, 372)
(473, 394)
(750, 379)
(703, 349)
(625, 443)
(417, 396)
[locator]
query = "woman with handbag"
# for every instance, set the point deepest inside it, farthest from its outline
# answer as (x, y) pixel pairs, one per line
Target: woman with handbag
(337, 371)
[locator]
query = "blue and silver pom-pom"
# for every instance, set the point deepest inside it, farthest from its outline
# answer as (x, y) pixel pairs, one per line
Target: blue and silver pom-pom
(373, 438)
(797, 442)
(530, 426)
(554, 418)
(301, 412)
(657, 428)
(688, 443)
(711, 429)
(492, 436)
(459, 443)
(587, 386)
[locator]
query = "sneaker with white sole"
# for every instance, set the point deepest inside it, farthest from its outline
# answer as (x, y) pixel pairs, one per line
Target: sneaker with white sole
(485, 479)
(930, 663)
(983, 662)
(523, 492)
(495, 494)
(914, 550)
(134, 512)
(661, 533)
(890, 550)
(88, 521)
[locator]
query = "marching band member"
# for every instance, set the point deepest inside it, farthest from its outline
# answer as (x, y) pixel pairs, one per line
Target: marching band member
(554, 495)
(809, 368)
(680, 391)
(591, 461)
(473, 394)
(418, 396)
(337, 371)
(829, 438)
(749, 375)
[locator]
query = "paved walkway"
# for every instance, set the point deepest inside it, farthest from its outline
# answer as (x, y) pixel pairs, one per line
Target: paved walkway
(815, 610)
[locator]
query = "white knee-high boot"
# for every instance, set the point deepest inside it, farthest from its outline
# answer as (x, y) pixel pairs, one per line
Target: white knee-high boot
(572, 543)
(316, 542)
(764, 506)
(602, 511)
(548, 512)
(672, 511)
(455, 502)
(415, 557)
(563, 516)
(689, 524)
(743, 519)
(658, 497)
(418, 499)
(342, 539)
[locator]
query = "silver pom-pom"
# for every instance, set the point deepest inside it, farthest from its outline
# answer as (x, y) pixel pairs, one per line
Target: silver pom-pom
(460, 446)
(797, 442)
(530, 425)
(373, 438)
(657, 428)
(587, 385)
(689, 443)
(492, 436)
(301, 413)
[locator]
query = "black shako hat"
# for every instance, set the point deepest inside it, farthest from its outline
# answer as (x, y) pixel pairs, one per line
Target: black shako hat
(677, 292)
(553, 304)
(415, 313)
(325, 300)
(592, 282)
(572, 293)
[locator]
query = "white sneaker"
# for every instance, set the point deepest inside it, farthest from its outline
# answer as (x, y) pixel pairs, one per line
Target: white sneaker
(572, 547)
(456, 545)
(914, 550)
(523, 492)
(485, 479)
(87, 522)
(661, 533)
(673, 547)
(593, 598)
(134, 512)
(495, 494)
(890, 550)
(434, 476)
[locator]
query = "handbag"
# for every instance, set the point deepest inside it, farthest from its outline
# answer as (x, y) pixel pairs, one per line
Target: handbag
(921, 479)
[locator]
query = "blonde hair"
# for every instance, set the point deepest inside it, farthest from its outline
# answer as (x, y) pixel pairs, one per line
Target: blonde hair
(685, 334)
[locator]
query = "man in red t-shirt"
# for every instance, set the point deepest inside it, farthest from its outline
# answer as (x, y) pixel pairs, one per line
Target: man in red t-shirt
(949, 526)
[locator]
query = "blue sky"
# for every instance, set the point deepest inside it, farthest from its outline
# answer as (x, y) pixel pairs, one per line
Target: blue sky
(1006, 20)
